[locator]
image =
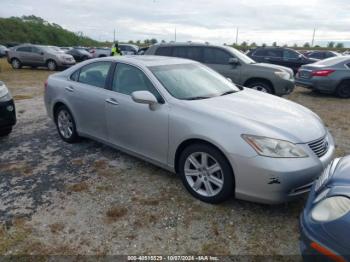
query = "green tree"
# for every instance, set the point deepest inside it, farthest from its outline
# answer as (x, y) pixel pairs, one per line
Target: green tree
(331, 44)
(274, 44)
(339, 45)
(306, 45)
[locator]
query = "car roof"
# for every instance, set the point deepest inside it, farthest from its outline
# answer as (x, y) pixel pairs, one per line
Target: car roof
(150, 60)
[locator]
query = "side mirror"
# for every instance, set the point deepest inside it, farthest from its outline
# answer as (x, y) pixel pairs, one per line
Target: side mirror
(233, 61)
(144, 97)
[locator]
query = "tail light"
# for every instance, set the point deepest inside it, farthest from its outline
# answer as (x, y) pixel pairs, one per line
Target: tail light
(322, 72)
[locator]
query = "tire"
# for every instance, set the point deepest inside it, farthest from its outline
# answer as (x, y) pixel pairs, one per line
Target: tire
(51, 65)
(65, 125)
(343, 90)
(5, 131)
(212, 183)
(16, 64)
(262, 86)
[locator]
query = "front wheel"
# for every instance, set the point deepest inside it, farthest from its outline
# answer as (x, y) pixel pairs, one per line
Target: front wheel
(16, 64)
(66, 125)
(206, 173)
(51, 65)
(261, 86)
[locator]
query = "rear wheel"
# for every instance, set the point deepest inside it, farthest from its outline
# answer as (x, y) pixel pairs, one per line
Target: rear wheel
(206, 173)
(261, 86)
(51, 65)
(66, 125)
(343, 90)
(16, 64)
(5, 131)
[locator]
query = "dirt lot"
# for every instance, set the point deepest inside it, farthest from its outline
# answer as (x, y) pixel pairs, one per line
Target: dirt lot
(87, 198)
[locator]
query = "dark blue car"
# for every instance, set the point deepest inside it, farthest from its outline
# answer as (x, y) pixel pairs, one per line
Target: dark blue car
(325, 221)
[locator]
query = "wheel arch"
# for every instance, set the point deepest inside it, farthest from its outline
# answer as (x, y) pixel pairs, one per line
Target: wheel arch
(261, 79)
(181, 147)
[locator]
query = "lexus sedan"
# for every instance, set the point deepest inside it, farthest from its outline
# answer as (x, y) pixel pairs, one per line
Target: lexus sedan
(325, 222)
(330, 76)
(185, 117)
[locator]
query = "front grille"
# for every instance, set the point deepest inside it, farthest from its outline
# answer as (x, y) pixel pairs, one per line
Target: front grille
(320, 146)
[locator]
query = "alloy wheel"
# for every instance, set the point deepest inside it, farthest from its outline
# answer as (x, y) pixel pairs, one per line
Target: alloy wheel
(204, 174)
(65, 124)
(51, 65)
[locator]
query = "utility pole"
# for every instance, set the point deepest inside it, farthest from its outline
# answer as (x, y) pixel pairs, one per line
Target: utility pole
(237, 30)
(114, 36)
(175, 33)
(313, 38)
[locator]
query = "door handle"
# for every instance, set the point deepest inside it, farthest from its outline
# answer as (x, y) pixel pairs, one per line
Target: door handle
(112, 101)
(69, 89)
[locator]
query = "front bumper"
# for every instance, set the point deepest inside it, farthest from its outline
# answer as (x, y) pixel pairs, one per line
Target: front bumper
(7, 114)
(284, 87)
(277, 180)
(64, 63)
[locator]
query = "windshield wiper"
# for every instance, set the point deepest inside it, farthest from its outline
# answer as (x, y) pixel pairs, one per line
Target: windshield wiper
(198, 97)
(228, 92)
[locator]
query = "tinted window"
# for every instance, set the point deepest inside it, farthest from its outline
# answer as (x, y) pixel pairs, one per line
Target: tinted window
(289, 54)
(180, 51)
(164, 51)
(24, 49)
(194, 53)
(128, 79)
(215, 56)
(95, 74)
(260, 52)
(35, 50)
(316, 55)
(274, 53)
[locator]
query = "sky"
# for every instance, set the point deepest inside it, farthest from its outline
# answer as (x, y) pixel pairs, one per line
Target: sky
(214, 21)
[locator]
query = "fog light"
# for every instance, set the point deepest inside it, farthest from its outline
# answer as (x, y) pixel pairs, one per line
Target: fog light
(9, 108)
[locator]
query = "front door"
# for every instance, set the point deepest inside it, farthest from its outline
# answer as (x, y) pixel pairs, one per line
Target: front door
(218, 60)
(133, 126)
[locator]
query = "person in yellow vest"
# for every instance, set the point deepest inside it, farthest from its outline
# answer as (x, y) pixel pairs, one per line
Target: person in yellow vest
(116, 50)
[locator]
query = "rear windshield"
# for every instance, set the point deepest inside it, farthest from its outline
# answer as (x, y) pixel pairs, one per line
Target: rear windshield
(332, 61)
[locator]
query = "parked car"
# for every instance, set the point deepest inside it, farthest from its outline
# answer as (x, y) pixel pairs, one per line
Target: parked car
(280, 56)
(79, 54)
(128, 49)
(65, 48)
(38, 55)
(185, 117)
(232, 64)
(322, 54)
(3, 51)
(142, 50)
(325, 221)
(100, 52)
(331, 76)
(7, 111)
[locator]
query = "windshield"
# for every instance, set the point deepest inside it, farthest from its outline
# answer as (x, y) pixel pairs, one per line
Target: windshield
(192, 81)
(246, 59)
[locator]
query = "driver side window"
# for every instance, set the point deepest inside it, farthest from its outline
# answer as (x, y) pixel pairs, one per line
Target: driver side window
(128, 79)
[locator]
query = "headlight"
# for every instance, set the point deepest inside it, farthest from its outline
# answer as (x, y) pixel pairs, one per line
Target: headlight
(274, 147)
(331, 209)
(283, 75)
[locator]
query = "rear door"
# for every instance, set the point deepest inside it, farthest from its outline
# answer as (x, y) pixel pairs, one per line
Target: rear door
(24, 54)
(87, 98)
(37, 56)
(218, 59)
(274, 56)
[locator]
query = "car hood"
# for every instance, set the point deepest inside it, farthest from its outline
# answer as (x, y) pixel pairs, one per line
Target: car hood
(274, 67)
(265, 115)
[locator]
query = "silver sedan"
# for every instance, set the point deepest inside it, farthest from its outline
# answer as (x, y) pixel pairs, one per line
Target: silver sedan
(181, 115)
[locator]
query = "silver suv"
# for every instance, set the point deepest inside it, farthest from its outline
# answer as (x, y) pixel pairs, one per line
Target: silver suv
(232, 64)
(38, 55)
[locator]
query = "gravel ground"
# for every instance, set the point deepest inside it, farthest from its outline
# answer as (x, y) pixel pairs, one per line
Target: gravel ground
(90, 199)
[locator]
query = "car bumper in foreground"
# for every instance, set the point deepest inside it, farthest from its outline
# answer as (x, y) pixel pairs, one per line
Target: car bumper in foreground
(277, 180)
(7, 114)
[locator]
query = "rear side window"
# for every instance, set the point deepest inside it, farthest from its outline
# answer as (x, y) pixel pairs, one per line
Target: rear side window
(95, 74)
(194, 53)
(316, 55)
(180, 51)
(24, 49)
(274, 53)
(164, 51)
(260, 52)
(215, 56)
(75, 76)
